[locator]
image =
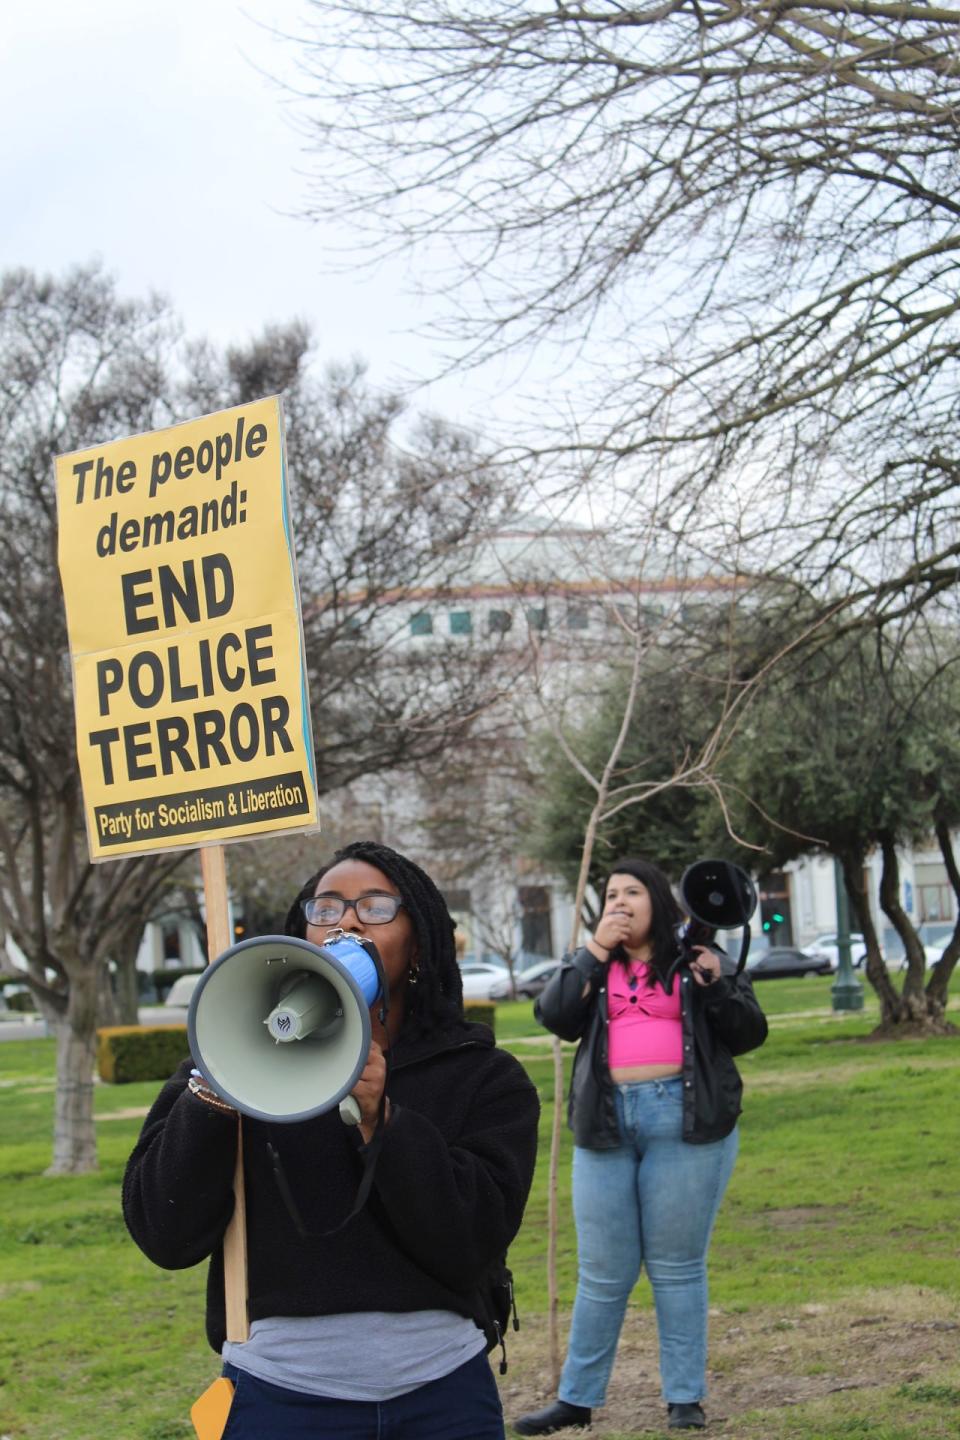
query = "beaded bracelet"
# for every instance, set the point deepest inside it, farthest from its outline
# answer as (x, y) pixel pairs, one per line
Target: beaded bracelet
(208, 1096)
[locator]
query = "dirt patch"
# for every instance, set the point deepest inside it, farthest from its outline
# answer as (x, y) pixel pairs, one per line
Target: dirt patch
(839, 1072)
(911, 1030)
(794, 1217)
(132, 1112)
(18, 1287)
(761, 1361)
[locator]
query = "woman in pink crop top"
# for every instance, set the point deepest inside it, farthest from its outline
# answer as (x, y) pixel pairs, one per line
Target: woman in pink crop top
(654, 1101)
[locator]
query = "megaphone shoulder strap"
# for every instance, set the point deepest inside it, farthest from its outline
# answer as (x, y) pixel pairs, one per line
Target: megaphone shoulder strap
(369, 1161)
(368, 1158)
(370, 1152)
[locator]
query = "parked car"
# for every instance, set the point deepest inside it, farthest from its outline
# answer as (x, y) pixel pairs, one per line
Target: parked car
(181, 992)
(934, 936)
(782, 962)
(827, 945)
(528, 983)
(479, 978)
(896, 957)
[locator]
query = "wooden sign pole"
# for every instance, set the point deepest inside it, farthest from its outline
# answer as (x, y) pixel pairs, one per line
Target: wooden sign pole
(213, 868)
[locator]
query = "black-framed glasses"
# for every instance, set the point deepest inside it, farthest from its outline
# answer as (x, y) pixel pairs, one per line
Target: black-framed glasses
(376, 909)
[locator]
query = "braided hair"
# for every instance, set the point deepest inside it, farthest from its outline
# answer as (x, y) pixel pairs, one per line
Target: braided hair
(665, 913)
(437, 998)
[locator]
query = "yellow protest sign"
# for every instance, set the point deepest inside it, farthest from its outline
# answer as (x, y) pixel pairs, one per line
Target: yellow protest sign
(183, 614)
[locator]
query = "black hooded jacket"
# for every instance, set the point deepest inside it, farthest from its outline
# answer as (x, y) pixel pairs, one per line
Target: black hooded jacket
(719, 1021)
(451, 1181)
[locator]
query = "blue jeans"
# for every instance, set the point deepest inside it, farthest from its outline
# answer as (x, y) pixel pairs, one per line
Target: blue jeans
(463, 1403)
(651, 1201)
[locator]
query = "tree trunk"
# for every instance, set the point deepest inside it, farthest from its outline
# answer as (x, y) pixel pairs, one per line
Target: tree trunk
(127, 994)
(74, 1140)
(911, 1001)
(851, 862)
(939, 981)
(553, 1215)
(914, 1012)
(108, 1010)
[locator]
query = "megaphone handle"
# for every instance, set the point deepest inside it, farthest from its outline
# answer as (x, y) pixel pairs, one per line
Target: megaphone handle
(349, 1111)
(744, 946)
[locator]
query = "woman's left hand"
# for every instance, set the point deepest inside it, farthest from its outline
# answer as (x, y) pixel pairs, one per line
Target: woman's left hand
(368, 1091)
(705, 969)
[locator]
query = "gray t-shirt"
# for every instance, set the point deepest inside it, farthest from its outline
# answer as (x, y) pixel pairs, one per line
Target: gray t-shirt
(372, 1355)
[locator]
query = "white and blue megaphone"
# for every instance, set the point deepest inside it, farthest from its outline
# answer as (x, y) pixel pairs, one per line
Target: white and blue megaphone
(280, 1028)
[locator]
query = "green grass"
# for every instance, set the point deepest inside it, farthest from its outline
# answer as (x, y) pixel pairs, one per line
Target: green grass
(845, 1191)
(831, 1126)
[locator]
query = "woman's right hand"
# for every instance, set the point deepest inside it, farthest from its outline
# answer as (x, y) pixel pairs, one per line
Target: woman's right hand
(368, 1091)
(611, 931)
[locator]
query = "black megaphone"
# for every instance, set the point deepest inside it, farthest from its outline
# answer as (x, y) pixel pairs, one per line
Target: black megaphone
(717, 895)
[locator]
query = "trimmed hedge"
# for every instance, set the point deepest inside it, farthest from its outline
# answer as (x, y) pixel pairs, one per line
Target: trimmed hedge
(126, 1053)
(23, 1002)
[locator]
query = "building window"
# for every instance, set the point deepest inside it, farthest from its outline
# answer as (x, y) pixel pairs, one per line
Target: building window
(461, 622)
(577, 617)
(421, 623)
(536, 930)
(499, 622)
(936, 902)
(934, 891)
(537, 617)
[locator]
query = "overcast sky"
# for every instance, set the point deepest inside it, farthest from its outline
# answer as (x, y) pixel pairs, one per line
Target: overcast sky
(140, 133)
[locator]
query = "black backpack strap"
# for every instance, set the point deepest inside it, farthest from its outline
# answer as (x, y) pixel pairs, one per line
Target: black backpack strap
(496, 1309)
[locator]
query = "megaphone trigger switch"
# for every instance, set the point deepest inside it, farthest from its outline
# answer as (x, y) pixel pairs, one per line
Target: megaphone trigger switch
(350, 1111)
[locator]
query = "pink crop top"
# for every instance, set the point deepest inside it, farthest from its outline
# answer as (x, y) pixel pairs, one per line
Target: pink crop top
(644, 1026)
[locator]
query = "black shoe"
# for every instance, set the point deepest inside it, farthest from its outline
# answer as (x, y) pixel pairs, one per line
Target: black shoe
(686, 1417)
(557, 1416)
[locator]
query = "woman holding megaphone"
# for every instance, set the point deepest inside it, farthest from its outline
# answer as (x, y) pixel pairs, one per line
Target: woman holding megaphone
(370, 1244)
(653, 1106)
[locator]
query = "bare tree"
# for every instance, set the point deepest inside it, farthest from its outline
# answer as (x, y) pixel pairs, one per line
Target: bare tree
(745, 217)
(78, 366)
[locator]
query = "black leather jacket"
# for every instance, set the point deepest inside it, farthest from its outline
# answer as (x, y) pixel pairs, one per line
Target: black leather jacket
(719, 1021)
